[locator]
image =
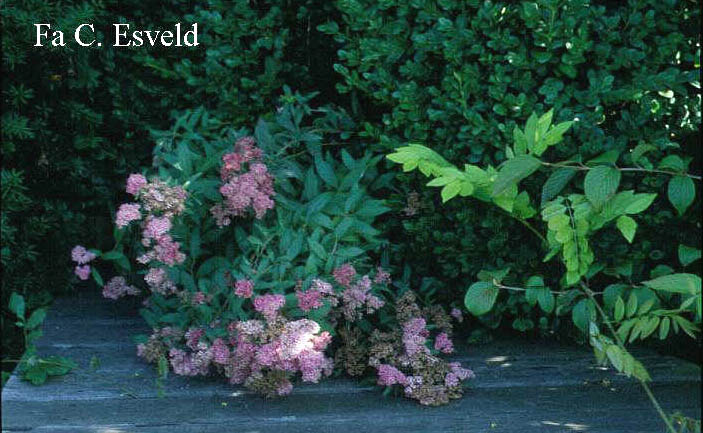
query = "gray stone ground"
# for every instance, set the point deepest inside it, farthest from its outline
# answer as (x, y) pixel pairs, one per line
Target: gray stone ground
(520, 387)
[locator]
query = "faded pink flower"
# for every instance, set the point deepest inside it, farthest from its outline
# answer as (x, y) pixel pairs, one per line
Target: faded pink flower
(198, 298)
(443, 343)
(382, 277)
(389, 375)
(117, 287)
(457, 314)
(244, 288)
(309, 300)
(135, 182)
(414, 336)
(193, 336)
(268, 305)
(220, 351)
(156, 227)
(82, 271)
(81, 256)
(127, 213)
(167, 251)
(344, 274)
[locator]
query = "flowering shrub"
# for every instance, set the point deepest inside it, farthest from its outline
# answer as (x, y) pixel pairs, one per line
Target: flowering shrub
(248, 249)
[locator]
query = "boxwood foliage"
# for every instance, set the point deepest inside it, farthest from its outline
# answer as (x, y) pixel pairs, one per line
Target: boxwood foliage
(459, 75)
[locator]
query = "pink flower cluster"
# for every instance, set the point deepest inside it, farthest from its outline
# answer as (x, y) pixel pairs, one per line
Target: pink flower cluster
(415, 335)
(158, 281)
(127, 213)
(261, 354)
(117, 287)
(357, 294)
(243, 190)
(162, 203)
(269, 305)
(244, 288)
(82, 257)
(266, 353)
(312, 298)
(443, 343)
(402, 357)
(135, 183)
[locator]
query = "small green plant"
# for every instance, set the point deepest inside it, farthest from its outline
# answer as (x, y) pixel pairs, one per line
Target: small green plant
(666, 303)
(32, 367)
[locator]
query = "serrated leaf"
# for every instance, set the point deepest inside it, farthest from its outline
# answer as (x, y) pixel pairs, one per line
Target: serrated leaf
(681, 193)
(556, 182)
(480, 297)
(513, 171)
(639, 202)
(325, 171)
(627, 227)
(600, 184)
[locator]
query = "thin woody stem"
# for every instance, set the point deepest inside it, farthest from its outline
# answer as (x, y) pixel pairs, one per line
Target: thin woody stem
(621, 344)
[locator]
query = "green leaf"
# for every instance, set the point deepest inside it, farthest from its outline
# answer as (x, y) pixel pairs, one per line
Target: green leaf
(600, 184)
(480, 297)
(672, 162)
(554, 136)
(194, 244)
(531, 131)
(113, 255)
(676, 283)
(639, 151)
(520, 141)
(631, 307)
(608, 157)
(664, 328)
(513, 171)
(627, 227)
(556, 182)
(325, 170)
(688, 255)
(619, 310)
(17, 304)
(582, 314)
(96, 276)
(36, 318)
(450, 191)
(638, 203)
(543, 124)
(681, 193)
(546, 299)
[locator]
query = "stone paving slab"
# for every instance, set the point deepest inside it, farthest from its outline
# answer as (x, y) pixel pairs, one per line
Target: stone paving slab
(521, 386)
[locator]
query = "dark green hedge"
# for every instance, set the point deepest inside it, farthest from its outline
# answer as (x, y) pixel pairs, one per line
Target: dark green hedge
(458, 75)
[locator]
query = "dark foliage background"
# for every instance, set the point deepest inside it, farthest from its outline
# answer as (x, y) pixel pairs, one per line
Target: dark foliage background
(457, 75)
